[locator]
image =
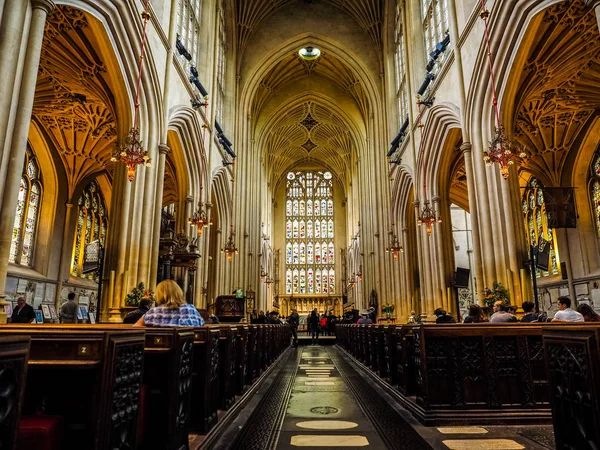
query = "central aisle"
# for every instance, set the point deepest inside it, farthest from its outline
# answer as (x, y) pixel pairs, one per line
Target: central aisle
(322, 412)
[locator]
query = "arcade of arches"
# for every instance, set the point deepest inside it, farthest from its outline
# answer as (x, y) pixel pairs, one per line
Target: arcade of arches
(287, 154)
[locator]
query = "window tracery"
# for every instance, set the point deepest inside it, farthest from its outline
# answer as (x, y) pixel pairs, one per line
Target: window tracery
(92, 223)
(221, 65)
(310, 221)
(435, 23)
(400, 67)
(595, 191)
(188, 26)
(536, 224)
(26, 217)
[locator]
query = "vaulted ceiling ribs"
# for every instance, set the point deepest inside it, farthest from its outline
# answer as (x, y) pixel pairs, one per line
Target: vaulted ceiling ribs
(559, 87)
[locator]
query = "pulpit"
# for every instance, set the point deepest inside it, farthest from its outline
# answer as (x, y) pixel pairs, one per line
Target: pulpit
(229, 308)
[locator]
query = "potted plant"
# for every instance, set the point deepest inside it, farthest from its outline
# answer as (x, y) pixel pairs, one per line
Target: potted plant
(498, 292)
(137, 293)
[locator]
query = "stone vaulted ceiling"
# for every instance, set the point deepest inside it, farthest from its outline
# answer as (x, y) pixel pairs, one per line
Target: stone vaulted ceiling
(308, 132)
(559, 89)
(250, 13)
(73, 102)
(292, 67)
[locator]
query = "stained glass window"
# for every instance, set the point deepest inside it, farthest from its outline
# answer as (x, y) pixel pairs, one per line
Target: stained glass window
(188, 27)
(26, 216)
(221, 65)
(92, 223)
(536, 224)
(595, 191)
(310, 226)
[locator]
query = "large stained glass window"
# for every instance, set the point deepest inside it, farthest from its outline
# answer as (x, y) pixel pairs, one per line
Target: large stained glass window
(26, 217)
(221, 64)
(595, 191)
(309, 232)
(400, 68)
(536, 223)
(92, 223)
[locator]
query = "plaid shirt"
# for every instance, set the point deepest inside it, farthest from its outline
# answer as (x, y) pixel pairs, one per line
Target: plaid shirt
(184, 316)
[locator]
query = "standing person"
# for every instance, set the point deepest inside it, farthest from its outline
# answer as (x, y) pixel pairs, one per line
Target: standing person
(565, 313)
(69, 310)
(171, 309)
(23, 313)
(142, 309)
(294, 321)
(372, 314)
(261, 319)
(323, 325)
(314, 326)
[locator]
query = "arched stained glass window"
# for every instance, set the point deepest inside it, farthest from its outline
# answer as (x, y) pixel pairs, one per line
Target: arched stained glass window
(26, 217)
(536, 224)
(92, 223)
(435, 23)
(188, 27)
(310, 211)
(595, 191)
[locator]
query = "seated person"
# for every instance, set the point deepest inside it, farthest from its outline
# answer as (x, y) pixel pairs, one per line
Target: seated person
(530, 315)
(171, 310)
(23, 313)
(565, 313)
(475, 315)
(364, 318)
(443, 316)
(502, 315)
(142, 309)
(588, 313)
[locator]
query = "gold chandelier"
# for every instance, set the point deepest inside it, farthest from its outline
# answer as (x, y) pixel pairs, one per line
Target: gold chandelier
(395, 248)
(200, 218)
(131, 152)
(502, 151)
(428, 217)
(230, 249)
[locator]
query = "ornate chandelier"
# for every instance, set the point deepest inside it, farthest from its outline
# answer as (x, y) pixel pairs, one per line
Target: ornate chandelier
(230, 249)
(131, 152)
(428, 217)
(395, 248)
(200, 219)
(502, 150)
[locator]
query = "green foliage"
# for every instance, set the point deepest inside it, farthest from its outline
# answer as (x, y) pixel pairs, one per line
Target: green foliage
(138, 293)
(498, 292)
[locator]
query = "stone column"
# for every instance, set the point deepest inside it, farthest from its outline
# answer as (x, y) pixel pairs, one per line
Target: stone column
(440, 255)
(466, 149)
(11, 34)
(513, 279)
(163, 150)
(41, 9)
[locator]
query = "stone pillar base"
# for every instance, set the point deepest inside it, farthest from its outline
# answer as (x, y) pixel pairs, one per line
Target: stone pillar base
(115, 316)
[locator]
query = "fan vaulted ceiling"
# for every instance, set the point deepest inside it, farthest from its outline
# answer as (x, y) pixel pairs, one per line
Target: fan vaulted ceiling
(308, 133)
(73, 102)
(250, 13)
(559, 87)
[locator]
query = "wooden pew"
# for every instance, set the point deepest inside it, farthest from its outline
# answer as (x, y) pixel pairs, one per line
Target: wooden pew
(205, 379)
(89, 376)
(253, 354)
(573, 361)
(241, 357)
(227, 364)
(14, 355)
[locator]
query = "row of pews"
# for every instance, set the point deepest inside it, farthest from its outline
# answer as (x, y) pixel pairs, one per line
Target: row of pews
(101, 387)
(489, 374)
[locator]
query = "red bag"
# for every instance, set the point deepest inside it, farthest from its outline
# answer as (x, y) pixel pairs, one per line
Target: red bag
(324, 322)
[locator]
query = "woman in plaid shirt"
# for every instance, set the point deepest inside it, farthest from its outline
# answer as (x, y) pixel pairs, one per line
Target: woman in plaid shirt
(171, 310)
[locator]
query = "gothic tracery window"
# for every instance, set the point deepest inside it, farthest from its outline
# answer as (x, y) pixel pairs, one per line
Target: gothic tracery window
(400, 67)
(310, 251)
(26, 217)
(220, 100)
(536, 224)
(188, 26)
(92, 223)
(595, 191)
(435, 23)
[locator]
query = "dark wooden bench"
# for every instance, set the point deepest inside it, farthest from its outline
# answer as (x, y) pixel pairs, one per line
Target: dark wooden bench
(89, 377)
(205, 381)
(14, 355)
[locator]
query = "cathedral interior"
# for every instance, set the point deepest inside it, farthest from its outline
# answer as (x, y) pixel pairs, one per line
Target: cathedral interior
(332, 185)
